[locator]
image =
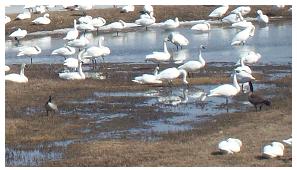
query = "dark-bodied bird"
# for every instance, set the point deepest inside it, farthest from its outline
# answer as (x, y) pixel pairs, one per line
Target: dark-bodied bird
(50, 106)
(256, 99)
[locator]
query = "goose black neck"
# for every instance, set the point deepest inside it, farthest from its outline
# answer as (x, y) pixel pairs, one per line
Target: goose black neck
(50, 99)
(251, 86)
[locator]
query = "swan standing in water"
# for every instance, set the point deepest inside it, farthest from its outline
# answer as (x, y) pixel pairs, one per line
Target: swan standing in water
(42, 20)
(82, 42)
(243, 10)
(98, 22)
(194, 65)
(148, 78)
(95, 52)
(72, 34)
(226, 90)
(158, 57)
(170, 74)
(50, 106)
(146, 21)
(18, 34)
(64, 51)
(242, 24)
(18, 78)
(201, 27)
(219, 12)
(29, 51)
(171, 24)
(117, 26)
(178, 39)
(79, 75)
(251, 58)
(242, 36)
(230, 146)
(262, 19)
(275, 149)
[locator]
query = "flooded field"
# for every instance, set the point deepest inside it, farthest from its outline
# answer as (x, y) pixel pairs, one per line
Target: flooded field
(109, 106)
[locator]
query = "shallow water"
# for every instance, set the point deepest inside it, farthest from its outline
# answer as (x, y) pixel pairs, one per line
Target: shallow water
(273, 42)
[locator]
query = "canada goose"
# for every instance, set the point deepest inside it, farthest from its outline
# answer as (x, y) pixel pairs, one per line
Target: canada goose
(256, 99)
(50, 106)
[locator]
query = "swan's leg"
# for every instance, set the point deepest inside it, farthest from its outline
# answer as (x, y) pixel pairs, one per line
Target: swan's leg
(97, 31)
(31, 60)
(117, 33)
(227, 104)
(146, 28)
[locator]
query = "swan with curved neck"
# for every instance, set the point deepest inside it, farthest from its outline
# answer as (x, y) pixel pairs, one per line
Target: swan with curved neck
(170, 74)
(146, 21)
(72, 34)
(75, 75)
(18, 78)
(242, 36)
(42, 20)
(194, 65)
(148, 78)
(158, 57)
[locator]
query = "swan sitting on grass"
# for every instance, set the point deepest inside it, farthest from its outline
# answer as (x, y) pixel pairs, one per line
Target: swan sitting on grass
(18, 78)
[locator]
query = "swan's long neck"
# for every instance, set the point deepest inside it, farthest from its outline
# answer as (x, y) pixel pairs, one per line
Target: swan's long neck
(22, 72)
(80, 63)
(241, 62)
(100, 42)
(201, 60)
(184, 74)
(165, 47)
(74, 24)
(235, 83)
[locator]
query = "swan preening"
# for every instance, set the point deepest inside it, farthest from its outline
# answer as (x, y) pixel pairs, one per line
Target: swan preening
(79, 75)
(158, 57)
(82, 42)
(148, 78)
(18, 78)
(117, 26)
(242, 24)
(194, 65)
(230, 146)
(50, 106)
(146, 21)
(178, 39)
(242, 36)
(275, 149)
(262, 18)
(171, 24)
(256, 99)
(42, 20)
(250, 57)
(29, 51)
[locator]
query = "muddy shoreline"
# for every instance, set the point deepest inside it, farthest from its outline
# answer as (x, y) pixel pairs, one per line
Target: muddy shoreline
(27, 126)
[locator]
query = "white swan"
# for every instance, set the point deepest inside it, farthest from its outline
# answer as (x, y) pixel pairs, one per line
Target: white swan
(243, 10)
(127, 8)
(75, 75)
(97, 51)
(275, 149)
(148, 78)
(230, 146)
(231, 18)
(219, 12)
(117, 26)
(226, 90)
(250, 58)
(7, 19)
(98, 22)
(29, 51)
(194, 65)
(18, 34)
(261, 17)
(201, 27)
(170, 74)
(157, 57)
(6, 68)
(86, 19)
(288, 141)
(85, 27)
(174, 100)
(242, 24)
(82, 42)
(64, 51)
(242, 36)
(72, 34)
(40, 9)
(178, 39)
(171, 24)
(147, 9)
(18, 78)
(42, 20)
(146, 21)
(24, 15)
